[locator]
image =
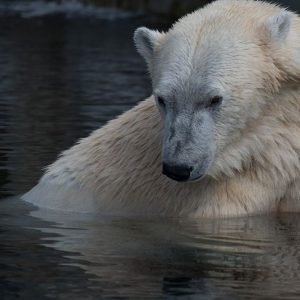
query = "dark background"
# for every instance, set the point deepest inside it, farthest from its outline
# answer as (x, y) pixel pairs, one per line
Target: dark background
(171, 8)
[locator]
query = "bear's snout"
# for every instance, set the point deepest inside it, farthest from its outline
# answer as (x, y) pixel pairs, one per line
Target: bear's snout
(177, 172)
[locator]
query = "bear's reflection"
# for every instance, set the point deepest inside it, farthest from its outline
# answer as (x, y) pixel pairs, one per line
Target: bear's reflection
(251, 257)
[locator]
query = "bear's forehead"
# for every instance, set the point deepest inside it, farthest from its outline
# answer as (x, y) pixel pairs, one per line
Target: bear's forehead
(219, 45)
(205, 64)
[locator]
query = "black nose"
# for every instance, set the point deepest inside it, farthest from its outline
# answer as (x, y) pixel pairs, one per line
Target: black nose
(177, 172)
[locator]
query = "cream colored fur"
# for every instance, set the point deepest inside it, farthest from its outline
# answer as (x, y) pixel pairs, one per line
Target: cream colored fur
(117, 169)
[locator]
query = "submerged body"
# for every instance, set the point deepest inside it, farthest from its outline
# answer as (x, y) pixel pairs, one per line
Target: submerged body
(225, 79)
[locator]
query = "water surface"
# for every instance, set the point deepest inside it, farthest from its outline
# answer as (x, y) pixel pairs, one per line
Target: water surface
(51, 255)
(63, 73)
(65, 70)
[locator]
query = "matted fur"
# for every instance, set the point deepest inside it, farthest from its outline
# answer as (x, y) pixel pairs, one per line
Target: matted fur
(117, 169)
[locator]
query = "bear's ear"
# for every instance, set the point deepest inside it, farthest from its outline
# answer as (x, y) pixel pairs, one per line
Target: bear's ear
(278, 26)
(145, 41)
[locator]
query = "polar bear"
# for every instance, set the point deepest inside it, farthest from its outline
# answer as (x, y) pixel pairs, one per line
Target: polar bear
(219, 137)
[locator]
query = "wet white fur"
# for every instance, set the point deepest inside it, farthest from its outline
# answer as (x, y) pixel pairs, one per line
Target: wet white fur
(117, 169)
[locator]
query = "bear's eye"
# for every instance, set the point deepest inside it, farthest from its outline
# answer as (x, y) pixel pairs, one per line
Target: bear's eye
(161, 102)
(215, 101)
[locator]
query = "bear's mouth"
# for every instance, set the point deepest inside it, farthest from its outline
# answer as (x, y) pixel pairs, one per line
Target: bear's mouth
(181, 180)
(176, 178)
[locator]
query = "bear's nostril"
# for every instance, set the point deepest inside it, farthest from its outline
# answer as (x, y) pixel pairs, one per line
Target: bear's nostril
(177, 172)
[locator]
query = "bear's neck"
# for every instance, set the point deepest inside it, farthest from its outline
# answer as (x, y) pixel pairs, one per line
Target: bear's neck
(269, 146)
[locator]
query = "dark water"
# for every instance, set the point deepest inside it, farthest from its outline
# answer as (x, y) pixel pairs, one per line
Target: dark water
(51, 255)
(64, 71)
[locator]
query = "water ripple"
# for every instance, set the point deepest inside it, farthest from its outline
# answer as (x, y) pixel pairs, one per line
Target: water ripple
(69, 9)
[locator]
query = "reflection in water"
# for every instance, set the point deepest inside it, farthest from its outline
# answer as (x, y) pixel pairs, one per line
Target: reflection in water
(67, 254)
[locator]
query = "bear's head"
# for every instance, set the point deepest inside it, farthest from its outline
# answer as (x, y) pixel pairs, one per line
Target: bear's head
(214, 74)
